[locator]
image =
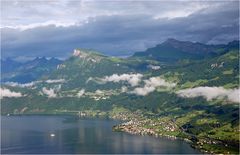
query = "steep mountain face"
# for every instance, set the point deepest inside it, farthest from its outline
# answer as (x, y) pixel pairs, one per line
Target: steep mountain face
(173, 50)
(28, 71)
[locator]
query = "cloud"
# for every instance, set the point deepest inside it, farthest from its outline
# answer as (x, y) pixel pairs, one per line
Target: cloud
(157, 81)
(49, 92)
(8, 93)
(15, 84)
(124, 89)
(49, 31)
(150, 85)
(33, 83)
(234, 95)
(81, 93)
(55, 81)
(143, 91)
(211, 93)
(153, 67)
(41, 11)
(132, 79)
(99, 92)
(44, 24)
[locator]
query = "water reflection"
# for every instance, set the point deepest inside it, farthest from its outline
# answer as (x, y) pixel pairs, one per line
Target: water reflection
(31, 134)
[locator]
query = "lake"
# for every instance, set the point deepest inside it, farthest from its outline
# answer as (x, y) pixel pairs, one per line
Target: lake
(66, 134)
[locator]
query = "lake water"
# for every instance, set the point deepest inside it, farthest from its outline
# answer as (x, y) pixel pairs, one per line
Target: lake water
(32, 134)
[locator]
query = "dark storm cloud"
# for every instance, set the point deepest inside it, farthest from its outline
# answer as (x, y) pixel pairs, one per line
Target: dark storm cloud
(122, 34)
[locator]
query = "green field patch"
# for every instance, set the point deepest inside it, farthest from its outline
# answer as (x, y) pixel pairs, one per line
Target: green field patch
(228, 72)
(189, 84)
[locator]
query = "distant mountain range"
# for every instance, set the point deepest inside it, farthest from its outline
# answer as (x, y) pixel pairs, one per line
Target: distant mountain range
(173, 50)
(15, 71)
(170, 51)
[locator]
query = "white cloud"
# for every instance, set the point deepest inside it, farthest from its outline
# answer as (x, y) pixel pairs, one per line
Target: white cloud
(41, 12)
(234, 95)
(49, 92)
(157, 81)
(211, 93)
(154, 67)
(182, 11)
(35, 25)
(143, 91)
(150, 85)
(56, 81)
(132, 79)
(99, 92)
(124, 89)
(81, 93)
(89, 79)
(15, 84)
(33, 83)
(8, 93)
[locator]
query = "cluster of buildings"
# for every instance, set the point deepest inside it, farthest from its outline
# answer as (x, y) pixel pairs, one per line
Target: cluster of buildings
(143, 126)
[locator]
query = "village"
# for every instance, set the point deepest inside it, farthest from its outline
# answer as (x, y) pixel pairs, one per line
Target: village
(137, 124)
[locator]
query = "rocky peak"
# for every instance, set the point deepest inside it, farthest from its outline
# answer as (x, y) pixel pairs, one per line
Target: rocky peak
(76, 52)
(87, 55)
(81, 53)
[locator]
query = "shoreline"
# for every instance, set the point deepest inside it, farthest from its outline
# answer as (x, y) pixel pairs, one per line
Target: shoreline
(100, 117)
(194, 142)
(122, 128)
(125, 126)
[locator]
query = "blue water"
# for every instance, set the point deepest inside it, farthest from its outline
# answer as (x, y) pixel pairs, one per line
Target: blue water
(31, 134)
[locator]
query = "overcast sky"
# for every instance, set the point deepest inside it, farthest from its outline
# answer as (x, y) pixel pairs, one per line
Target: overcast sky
(114, 27)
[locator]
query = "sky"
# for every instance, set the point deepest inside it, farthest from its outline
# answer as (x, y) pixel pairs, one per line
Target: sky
(53, 28)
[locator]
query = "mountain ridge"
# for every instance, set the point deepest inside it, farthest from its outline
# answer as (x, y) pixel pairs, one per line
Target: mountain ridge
(174, 50)
(27, 71)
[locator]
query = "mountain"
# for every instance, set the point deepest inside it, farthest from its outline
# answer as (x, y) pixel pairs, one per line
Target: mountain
(195, 100)
(13, 71)
(9, 65)
(173, 50)
(86, 64)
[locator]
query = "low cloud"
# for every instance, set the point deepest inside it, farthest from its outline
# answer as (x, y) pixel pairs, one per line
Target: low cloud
(211, 93)
(132, 79)
(56, 81)
(99, 92)
(143, 91)
(49, 92)
(33, 83)
(81, 93)
(154, 67)
(89, 79)
(124, 89)
(24, 85)
(150, 85)
(8, 93)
